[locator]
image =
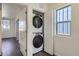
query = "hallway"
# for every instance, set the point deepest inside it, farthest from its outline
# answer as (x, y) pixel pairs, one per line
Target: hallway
(10, 47)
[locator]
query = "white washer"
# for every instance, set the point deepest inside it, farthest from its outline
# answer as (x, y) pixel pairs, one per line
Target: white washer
(37, 46)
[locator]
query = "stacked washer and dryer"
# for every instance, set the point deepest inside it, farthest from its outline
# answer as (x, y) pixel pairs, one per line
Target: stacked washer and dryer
(38, 31)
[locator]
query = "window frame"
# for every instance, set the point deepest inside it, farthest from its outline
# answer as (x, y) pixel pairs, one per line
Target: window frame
(8, 24)
(56, 25)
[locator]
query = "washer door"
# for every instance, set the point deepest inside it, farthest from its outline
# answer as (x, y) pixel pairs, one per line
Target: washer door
(37, 41)
(37, 22)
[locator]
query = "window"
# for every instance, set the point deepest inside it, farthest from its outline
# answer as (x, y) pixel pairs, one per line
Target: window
(22, 25)
(6, 24)
(63, 20)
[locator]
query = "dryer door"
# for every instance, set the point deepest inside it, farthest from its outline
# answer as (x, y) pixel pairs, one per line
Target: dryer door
(37, 41)
(37, 22)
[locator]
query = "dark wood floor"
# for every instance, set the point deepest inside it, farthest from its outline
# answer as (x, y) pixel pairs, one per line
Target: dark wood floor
(10, 47)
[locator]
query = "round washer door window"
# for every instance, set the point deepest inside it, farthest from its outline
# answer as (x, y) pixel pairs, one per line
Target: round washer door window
(37, 41)
(37, 22)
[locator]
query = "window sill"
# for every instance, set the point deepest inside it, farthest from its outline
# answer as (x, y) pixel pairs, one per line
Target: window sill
(65, 35)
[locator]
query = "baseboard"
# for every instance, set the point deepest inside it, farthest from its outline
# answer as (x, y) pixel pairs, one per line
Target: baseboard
(9, 38)
(0, 54)
(54, 55)
(48, 53)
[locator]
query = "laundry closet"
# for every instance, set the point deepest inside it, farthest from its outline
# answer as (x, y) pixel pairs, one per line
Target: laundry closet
(35, 28)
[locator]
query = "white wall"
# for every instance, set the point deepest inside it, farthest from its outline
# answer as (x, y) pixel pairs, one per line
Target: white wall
(48, 30)
(29, 32)
(64, 45)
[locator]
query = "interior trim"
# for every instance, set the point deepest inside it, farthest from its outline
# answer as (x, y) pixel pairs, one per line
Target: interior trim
(9, 38)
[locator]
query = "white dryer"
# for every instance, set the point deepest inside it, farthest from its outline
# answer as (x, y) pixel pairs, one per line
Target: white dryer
(38, 18)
